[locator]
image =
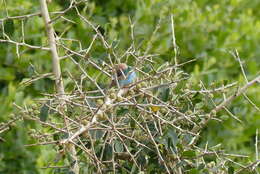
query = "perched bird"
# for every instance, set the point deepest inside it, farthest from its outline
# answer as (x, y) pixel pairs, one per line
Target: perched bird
(125, 75)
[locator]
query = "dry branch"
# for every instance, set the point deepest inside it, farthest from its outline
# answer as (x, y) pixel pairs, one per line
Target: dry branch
(225, 103)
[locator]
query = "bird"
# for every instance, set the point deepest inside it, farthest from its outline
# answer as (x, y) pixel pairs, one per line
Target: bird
(125, 75)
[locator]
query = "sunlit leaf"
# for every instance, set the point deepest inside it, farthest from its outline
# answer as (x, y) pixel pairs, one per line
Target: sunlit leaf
(189, 154)
(155, 108)
(194, 171)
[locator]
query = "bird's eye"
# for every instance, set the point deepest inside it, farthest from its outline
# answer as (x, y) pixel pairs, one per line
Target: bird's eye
(120, 73)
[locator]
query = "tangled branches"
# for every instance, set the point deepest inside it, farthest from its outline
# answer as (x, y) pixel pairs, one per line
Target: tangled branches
(151, 125)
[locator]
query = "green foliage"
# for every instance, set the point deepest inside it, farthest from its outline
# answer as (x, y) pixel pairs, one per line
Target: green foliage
(205, 30)
(44, 112)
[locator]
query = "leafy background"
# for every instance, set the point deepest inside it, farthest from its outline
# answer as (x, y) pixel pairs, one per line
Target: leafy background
(205, 29)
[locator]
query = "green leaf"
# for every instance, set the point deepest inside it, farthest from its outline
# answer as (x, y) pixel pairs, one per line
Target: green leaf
(231, 170)
(193, 171)
(187, 138)
(44, 111)
(64, 135)
(201, 166)
(31, 70)
(132, 123)
(208, 158)
(107, 152)
(141, 159)
(122, 111)
(70, 172)
(179, 86)
(118, 146)
(9, 27)
(7, 74)
(199, 105)
(99, 134)
(165, 94)
(173, 136)
(189, 154)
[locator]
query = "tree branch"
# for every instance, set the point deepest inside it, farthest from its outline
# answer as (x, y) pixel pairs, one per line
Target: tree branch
(57, 73)
(225, 103)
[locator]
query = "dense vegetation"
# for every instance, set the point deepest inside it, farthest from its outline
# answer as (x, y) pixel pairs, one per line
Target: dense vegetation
(208, 31)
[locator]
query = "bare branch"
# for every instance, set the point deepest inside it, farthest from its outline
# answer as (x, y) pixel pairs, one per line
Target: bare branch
(24, 44)
(225, 103)
(57, 73)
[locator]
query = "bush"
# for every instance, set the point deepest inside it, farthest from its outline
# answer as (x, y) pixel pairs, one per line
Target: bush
(171, 119)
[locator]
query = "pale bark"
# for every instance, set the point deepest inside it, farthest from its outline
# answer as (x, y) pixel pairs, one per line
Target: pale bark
(57, 73)
(52, 44)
